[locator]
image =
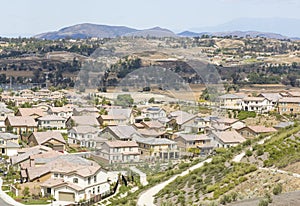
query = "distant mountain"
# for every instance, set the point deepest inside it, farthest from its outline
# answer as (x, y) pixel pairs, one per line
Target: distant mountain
(285, 26)
(87, 30)
(154, 32)
(278, 28)
(102, 31)
(235, 33)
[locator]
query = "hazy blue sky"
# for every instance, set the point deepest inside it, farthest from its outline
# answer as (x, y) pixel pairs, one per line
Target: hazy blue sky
(28, 17)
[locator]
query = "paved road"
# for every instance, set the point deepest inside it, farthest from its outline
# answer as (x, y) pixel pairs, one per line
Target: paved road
(147, 198)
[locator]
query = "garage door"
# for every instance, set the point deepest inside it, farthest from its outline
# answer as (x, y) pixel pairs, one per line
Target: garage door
(66, 196)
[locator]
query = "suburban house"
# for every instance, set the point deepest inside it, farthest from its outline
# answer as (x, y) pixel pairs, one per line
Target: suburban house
(68, 177)
(231, 101)
(234, 123)
(86, 120)
(4, 112)
(257, 104)
(157, 148)
(119, 152)
(181, 118)
(200, 124)
(23, 155)
(52, 139)
(153, 113)
(51, 122)
(226, 139)
(272, 97)
(64, 111)
(112, 120)
(30, 112)
(289, 105)
(85, 136)
(187, 141)
(253, 131)
(80, 111)
(120, 116)
(9, 144)
(120, 132)
(20, 125)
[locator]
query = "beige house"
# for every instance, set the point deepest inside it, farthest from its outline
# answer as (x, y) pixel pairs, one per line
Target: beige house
(231, 101)
(253, 131)
(51, 122)
(20, 125)
(119, 152)
(226, 139)
(187, 141)
(30, 112)
(289, 105)
(52, 139)
(157, 148)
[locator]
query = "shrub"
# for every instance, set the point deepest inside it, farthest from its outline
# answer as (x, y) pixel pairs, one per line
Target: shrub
(248, 153)
(263, 202)
(277, 189)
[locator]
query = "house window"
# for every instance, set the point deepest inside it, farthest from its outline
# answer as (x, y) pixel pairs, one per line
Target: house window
(48, 190)
(95, 178)
(98, 190)
(75, 180)
(93, 190)
(55, 175)
(89, 180)
(61, 175)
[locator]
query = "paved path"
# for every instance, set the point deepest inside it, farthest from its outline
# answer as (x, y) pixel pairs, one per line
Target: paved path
(147, 198)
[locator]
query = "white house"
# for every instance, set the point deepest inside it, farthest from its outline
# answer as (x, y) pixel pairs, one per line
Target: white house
(257, 104)
(153, 113)
(226, 138)
(72, 179)
(83, 135)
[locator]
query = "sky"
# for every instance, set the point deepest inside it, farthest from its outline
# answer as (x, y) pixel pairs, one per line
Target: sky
(30, 17)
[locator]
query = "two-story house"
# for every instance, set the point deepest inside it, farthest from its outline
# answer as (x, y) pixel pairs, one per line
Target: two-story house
(20, 124)
(85, 136)
(257, 104)
(51, 122)
(119, 152)
(289, 105)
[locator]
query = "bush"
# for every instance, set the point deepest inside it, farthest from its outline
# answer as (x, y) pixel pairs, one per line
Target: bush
(263, 202)
(259, 152)
(248, 153)
(246, 114)
(277, 189)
